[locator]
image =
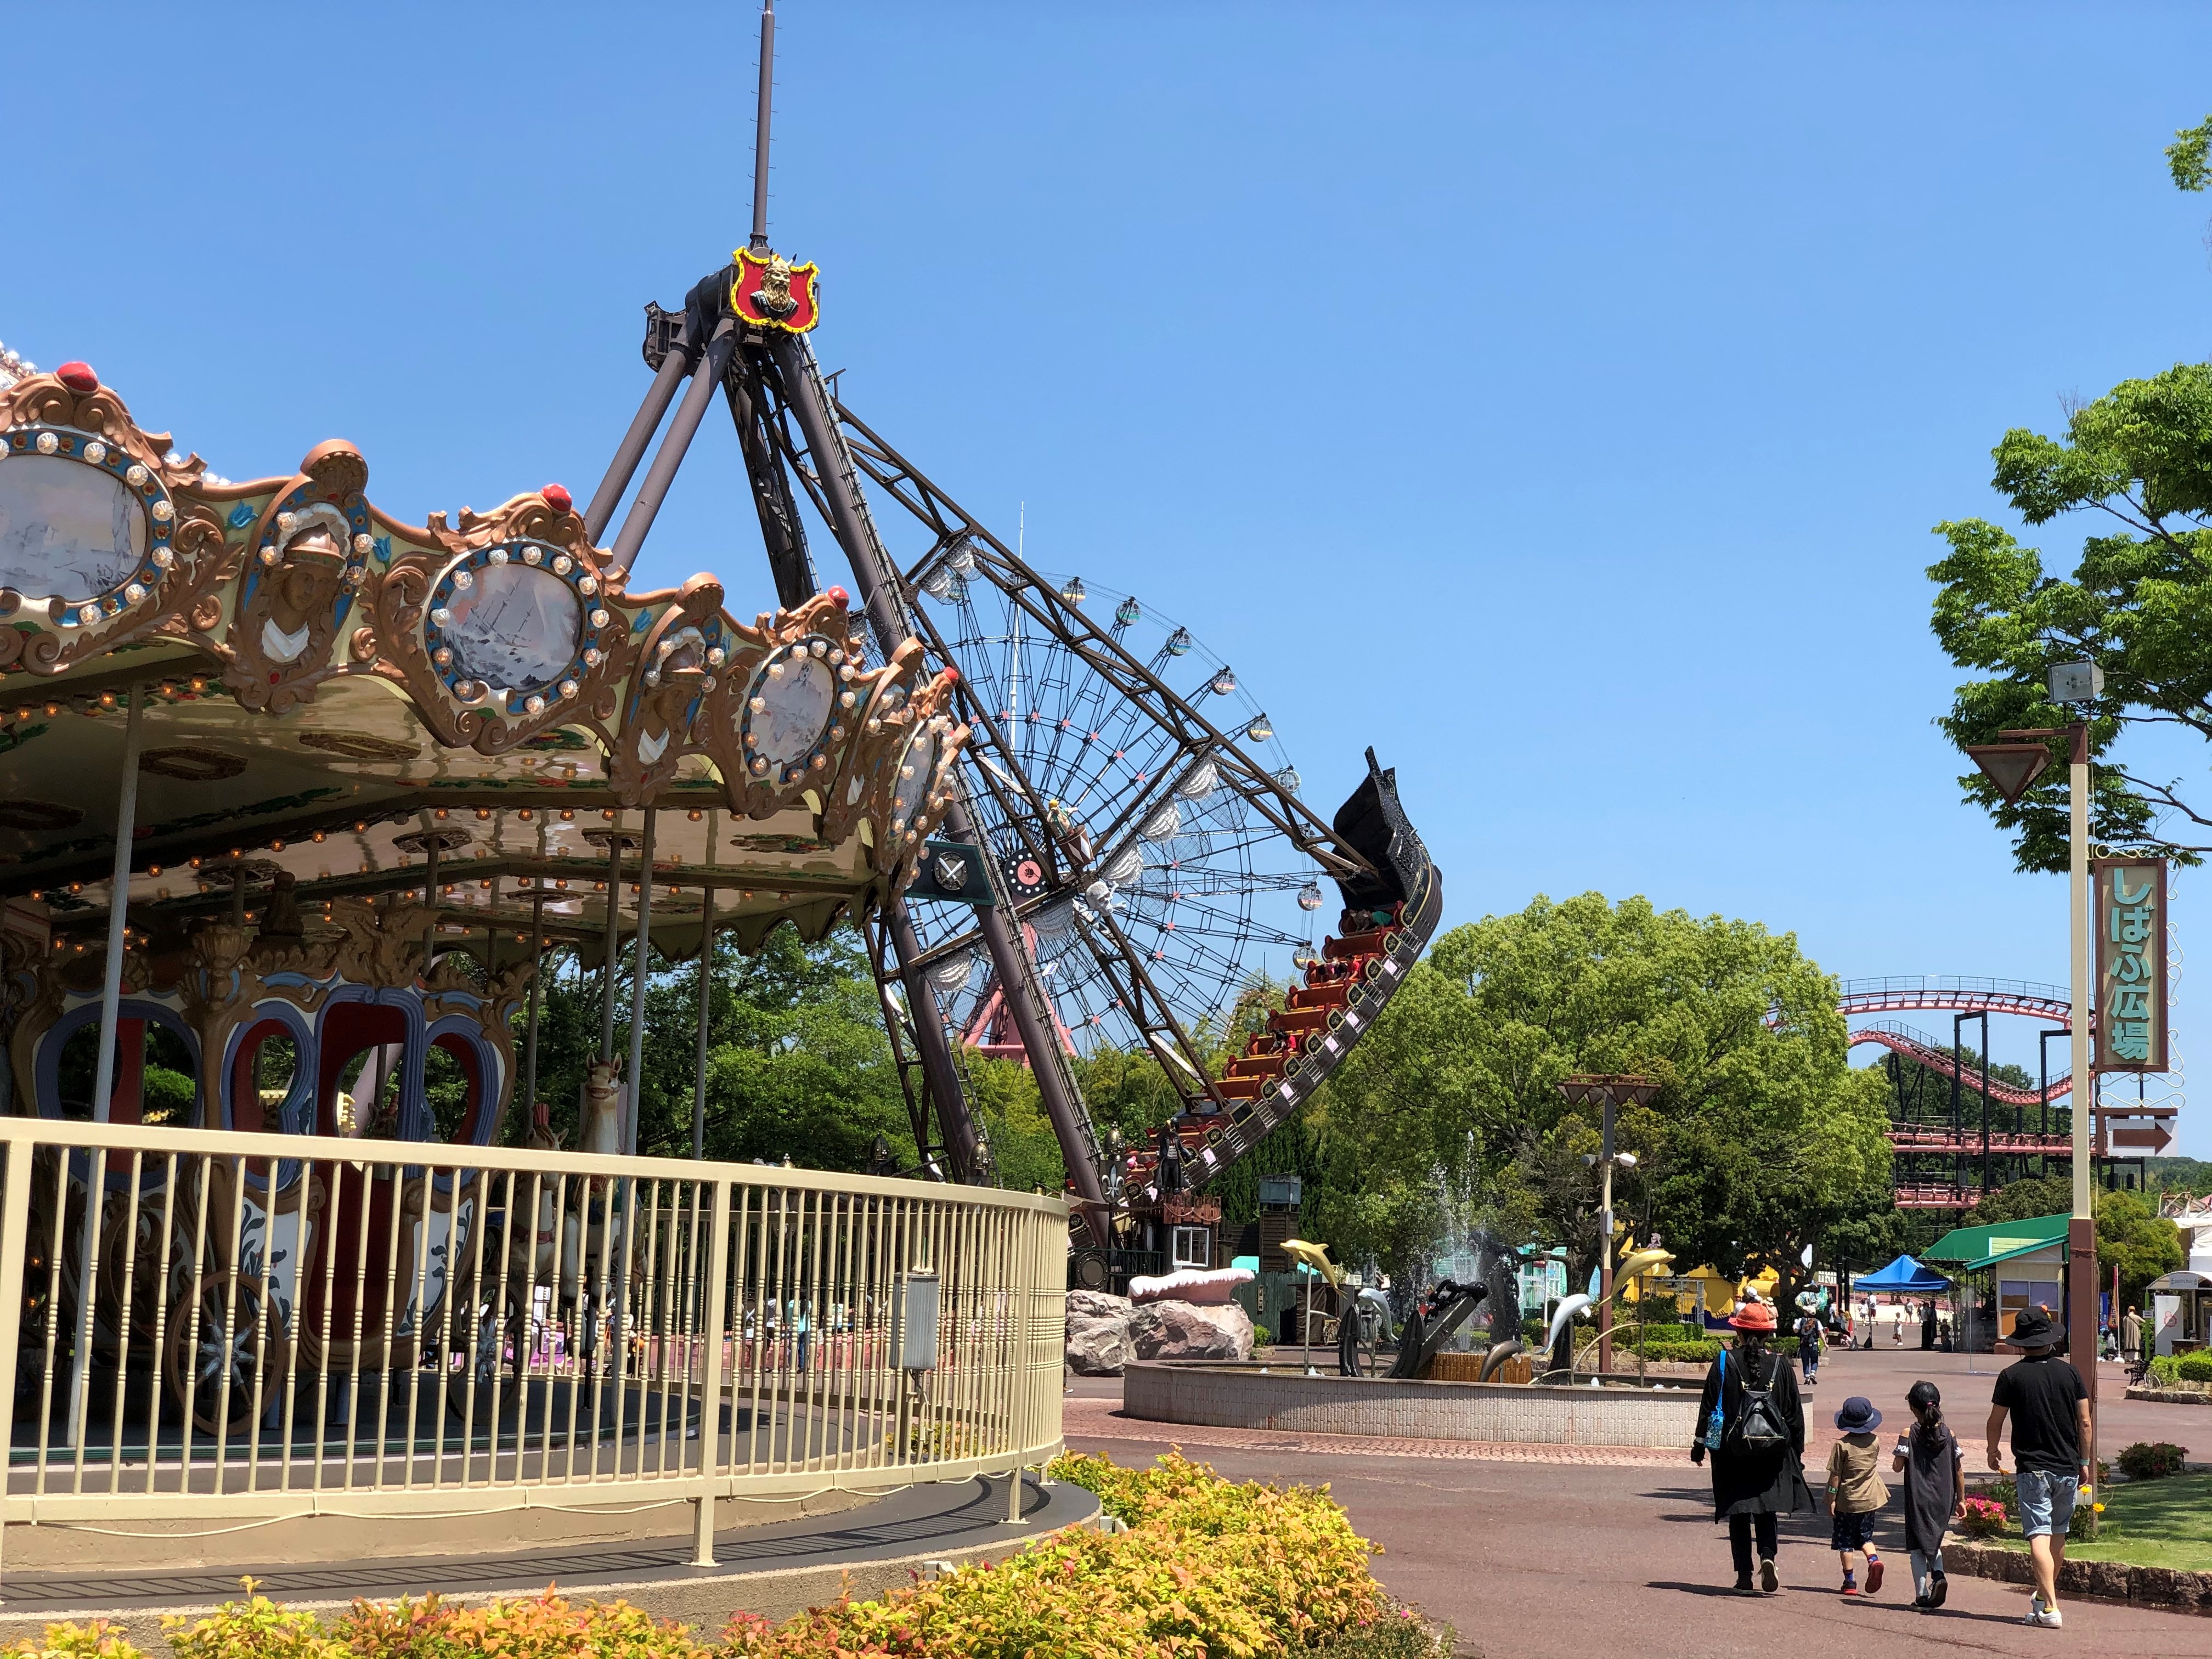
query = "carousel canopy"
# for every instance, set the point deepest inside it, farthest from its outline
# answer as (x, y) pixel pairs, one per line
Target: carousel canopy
(335, 705)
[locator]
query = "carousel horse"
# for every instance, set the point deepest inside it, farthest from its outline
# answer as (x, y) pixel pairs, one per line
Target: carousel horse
(570, 1244)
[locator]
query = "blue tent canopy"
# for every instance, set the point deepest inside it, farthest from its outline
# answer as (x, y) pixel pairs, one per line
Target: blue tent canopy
(1904, 1274)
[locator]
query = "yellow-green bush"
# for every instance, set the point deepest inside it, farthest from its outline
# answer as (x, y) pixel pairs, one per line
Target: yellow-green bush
(1206, 1569)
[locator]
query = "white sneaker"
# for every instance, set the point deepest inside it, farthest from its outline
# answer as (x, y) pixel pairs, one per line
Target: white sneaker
(2049, 1618)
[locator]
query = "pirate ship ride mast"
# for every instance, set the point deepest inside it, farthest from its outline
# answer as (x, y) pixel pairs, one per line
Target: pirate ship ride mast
(1033, 868)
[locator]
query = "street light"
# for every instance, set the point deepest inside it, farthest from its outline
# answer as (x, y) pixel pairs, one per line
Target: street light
(2012, 765)
(1605, 1090)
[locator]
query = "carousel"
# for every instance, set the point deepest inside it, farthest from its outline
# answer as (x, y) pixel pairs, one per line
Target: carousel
(300, 794)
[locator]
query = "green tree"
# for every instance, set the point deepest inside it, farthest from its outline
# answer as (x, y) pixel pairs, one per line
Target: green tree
(2138, 461)
(1760, 1134)
(2136, 1241)
(2020, 1201)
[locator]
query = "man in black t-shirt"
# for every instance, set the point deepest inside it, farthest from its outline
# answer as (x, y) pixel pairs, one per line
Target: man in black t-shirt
(2050, 1412)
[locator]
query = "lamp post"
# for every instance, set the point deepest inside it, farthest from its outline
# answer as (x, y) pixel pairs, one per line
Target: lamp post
(1606, 1091)
(2013, 763)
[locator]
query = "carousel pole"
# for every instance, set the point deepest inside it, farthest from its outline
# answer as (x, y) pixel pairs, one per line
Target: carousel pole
(706, 993)
(110, 1010)
(614, 942)
(635, 1080)
(536, 975)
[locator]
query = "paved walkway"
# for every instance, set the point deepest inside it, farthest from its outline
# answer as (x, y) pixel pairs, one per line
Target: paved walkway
(1542, 1557)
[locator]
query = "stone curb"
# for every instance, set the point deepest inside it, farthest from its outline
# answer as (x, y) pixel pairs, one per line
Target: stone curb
(2169, 1590)
(2170, 1396)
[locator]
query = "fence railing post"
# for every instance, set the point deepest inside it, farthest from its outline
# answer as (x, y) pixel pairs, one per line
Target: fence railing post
(710, 1389)
(15, 1228)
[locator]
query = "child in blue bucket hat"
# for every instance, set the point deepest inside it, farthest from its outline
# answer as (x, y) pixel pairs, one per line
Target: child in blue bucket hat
(1857, 1492)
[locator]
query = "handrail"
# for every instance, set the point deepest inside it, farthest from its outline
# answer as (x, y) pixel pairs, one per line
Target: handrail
(214, 1324)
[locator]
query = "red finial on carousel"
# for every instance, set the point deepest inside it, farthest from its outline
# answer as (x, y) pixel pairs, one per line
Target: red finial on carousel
(840, 598)
(952, 675)
(558, 498)
(77, 377)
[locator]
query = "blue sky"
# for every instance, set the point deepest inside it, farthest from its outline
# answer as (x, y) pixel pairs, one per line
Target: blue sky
(1558, 401)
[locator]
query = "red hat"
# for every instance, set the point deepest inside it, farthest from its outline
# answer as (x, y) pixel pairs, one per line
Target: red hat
(1754, 1316)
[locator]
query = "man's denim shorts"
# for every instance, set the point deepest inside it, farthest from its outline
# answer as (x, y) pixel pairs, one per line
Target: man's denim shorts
(2046, 1501)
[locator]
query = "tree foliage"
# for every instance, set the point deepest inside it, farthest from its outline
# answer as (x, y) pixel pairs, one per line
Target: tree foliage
(2138, 461)
(1759, 1138)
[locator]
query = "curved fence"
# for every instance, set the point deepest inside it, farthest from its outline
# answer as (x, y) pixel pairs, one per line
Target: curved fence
(213, 1324)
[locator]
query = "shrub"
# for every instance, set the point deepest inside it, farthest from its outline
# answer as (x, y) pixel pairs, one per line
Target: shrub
(2194, 1367)
(97, 1640)
(254, 1628)
(1250, 1571)
(1982, 1517)
(2152, 1459)
(1206, 1567)
(2166, 1368)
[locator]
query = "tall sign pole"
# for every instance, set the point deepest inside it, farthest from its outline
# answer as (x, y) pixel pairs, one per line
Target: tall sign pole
(2012, 765)
(2081, 1229)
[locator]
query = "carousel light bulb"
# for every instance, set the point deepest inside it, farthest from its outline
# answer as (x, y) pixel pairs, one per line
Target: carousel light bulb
(483, 814)
(567, 815)
(318, 835)
(695, 814)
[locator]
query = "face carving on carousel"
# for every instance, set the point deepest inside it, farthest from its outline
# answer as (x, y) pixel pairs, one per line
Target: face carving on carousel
(678, 676)
(304, 586)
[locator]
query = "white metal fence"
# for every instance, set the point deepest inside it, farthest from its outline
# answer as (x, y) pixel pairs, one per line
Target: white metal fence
(281, 1325)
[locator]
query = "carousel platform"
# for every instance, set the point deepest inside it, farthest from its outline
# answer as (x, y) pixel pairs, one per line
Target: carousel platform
(775, 1569)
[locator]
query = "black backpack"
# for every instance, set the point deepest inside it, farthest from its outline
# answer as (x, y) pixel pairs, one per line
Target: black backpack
(1758, 1426)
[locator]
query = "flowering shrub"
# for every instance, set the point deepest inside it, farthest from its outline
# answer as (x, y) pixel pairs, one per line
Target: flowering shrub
(1982, 1517)
(2152, 1459)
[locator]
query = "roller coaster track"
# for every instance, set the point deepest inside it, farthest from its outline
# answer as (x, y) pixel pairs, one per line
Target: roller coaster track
(1958, 993)
(1924, 1050)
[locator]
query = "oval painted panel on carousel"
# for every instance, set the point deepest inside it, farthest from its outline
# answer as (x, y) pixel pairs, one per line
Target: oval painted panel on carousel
(69, 529)
(514, 626)
(916, 766)
(788, 714)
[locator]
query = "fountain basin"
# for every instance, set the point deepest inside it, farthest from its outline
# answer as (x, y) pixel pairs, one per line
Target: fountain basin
(1279, 1397)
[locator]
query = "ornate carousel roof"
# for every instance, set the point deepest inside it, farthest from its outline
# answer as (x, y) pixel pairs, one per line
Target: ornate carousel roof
(332, 692)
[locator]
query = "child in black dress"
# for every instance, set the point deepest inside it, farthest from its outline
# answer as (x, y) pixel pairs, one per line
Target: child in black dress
(1935, 1472)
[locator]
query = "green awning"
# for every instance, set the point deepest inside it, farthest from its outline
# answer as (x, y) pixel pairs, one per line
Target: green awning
(1969, 1248)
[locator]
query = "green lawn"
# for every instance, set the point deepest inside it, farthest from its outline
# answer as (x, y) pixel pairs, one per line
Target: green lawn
(2150, 1523)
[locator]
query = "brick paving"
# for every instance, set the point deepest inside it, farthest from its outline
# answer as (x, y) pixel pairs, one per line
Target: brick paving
(1581, 1553)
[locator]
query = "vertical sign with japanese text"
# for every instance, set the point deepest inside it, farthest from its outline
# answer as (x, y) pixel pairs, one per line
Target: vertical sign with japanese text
(2130, 898)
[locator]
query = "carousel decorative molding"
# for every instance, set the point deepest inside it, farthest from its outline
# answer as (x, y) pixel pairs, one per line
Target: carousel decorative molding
(506, 627)
(107, 536)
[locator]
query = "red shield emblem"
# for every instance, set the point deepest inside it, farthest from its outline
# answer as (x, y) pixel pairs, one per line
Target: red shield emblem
(771, 292)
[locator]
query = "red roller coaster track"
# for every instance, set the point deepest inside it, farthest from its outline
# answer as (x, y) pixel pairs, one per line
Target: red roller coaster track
(1961, 994)
(1925, 1050)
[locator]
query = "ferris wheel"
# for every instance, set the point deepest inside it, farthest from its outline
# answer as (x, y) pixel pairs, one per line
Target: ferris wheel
(1127, 856)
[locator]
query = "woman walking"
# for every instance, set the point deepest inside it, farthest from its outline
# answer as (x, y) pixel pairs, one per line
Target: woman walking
(1753, 1429)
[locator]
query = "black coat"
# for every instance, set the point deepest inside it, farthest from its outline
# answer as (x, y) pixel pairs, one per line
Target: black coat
(1754, 1482)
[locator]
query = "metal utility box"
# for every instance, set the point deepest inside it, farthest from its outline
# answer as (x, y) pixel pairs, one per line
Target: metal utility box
(914, 1322)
